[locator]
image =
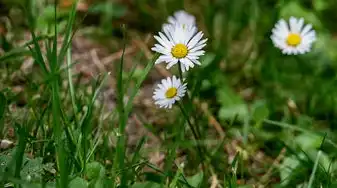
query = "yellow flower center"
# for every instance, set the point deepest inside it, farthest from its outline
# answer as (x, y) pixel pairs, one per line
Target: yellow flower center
(294, 39)
(171, 92)
(179, 51)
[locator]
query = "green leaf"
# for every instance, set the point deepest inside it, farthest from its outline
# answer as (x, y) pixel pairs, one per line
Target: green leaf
(32, 170)
(50, 185)
(320, 5)
(324, 159)
(115, 10)
(146, 185)
(297, 166)
(78, 183)
(334, 184)
(287, 167)
(207, 59)
(230, 112)
(4, 162)
(232, 105)
(42, 27)
(308, 141)
(48, 14)
(260, 112)
(139, 82)
(97, 183)
(94, 170)
(196, 180)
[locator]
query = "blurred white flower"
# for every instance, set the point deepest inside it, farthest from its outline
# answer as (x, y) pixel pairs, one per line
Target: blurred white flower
(4, 144)
(182, 17)
(293, 38)
(168, 92)
(181, 44)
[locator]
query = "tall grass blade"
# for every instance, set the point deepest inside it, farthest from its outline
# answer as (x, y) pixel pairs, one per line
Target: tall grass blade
(312, 176)
(146, 71)
(122, 118)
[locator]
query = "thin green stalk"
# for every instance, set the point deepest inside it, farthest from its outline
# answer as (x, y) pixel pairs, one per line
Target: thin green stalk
(156, 169)
(245, 131)
(3, 107)
(125, 112)
(120, 155)
(174, 182)
(312, 176)
(296, 128)
(130, 76)
(68, 34)
(189, 99)
(147, 70)
(71, 86)
(19, 153)
(180, 71)
(36, 51)
(86, 122)
(188, 121)
(56, 111)
(183, 111)
(57, 128)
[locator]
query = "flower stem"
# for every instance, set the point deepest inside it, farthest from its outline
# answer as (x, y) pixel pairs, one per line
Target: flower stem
(188, 121)
(180, 71)
(182, 109)
(190, 101)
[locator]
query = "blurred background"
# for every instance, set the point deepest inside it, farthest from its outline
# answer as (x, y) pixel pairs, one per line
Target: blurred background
(276, 110)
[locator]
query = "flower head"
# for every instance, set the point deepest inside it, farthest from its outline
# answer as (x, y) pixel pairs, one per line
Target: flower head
(168, 92)
(293, 38)
(181, 44)
(182, 17)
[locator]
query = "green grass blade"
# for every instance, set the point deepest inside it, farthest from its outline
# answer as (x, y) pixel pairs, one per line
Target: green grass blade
(136, 154)
(86, 123)
(71, 86)
(57, 128)
(3, 105)
(37, 50)
(296, 128)
(146, 71)
(122, 118)
(130, 75)
(21, 51)
(18, 52)
(312, 176)
(68, 33)
(19, 153)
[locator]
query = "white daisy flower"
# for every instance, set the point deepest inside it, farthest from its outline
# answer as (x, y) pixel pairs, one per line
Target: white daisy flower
(181, 17)
(180, 44)
(293, 38)
(169, 91)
